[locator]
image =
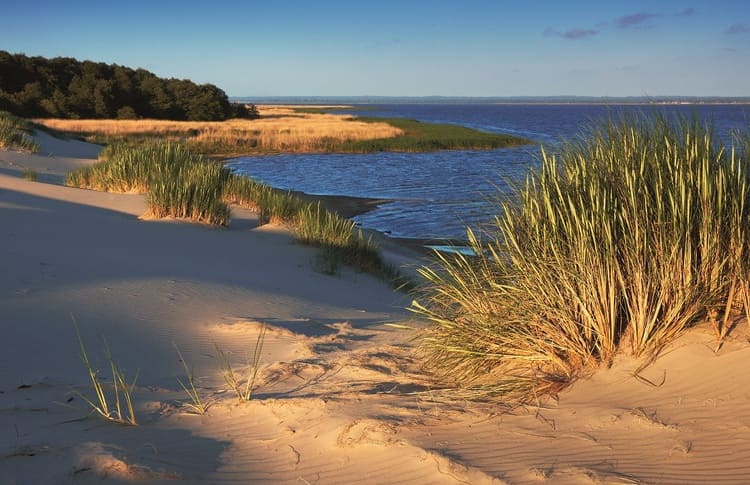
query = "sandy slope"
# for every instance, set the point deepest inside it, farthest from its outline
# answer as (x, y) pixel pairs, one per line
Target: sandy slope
(341, 398)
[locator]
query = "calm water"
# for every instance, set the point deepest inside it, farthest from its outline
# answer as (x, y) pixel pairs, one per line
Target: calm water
(439, 194)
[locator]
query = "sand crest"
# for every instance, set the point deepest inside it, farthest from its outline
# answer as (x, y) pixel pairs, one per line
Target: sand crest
(341, 396)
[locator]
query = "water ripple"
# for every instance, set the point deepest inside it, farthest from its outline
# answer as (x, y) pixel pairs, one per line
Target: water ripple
(439, 194)
(436, 194)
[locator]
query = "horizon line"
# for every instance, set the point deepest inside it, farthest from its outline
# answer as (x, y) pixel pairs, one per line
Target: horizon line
(661, 99)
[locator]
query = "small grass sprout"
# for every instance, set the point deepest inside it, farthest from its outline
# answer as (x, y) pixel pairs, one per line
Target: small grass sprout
(30, 175)
(196, 403)
(244, 392)
(121, 411)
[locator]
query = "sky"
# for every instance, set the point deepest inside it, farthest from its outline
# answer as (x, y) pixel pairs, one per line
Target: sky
(251, 48)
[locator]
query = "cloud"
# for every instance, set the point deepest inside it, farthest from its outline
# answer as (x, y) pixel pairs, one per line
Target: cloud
(628, 21)
(575, 34)
(737, 29)
(634, 19)
(572, 34)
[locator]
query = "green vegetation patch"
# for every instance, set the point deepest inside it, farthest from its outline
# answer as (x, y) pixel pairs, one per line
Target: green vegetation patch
(273, 205)
(180, 184)
(425, 137)
(330, 109)
(195, 192)
(620, 243)
(419, 136)
(14, 133)
(338, 238)
(30, 175)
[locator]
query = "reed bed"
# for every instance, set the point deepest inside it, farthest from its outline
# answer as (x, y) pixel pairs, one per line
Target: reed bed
(14, 134)
(426, 137)
(620, 243)
(278, 130)
(288, 129)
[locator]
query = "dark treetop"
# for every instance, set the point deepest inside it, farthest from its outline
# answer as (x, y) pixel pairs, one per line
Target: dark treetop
(64, 87)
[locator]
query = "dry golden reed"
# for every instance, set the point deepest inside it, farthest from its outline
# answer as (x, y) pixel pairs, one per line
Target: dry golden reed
(279, 129)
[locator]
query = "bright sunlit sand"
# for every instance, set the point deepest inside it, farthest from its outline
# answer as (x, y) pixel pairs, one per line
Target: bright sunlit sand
(323, 243)
(339, 396)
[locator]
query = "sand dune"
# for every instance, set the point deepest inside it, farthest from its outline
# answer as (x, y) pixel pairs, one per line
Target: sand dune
(341, 396)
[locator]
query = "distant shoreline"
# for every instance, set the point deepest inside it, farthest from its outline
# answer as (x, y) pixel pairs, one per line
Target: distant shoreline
(520, 100)
(521, 103)
(602, 103)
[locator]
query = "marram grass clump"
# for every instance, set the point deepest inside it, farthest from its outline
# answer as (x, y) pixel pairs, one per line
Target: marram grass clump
(338, 239)
(179, 183)
(183, 185)
(618, 244)
(14, 134)
(193, 192)
(30, 174)
(274, 206)
(131, 168)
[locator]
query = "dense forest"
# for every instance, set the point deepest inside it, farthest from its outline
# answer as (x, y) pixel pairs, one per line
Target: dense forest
(62, 87)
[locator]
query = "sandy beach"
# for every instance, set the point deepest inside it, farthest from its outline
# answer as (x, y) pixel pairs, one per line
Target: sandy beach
(341, 396)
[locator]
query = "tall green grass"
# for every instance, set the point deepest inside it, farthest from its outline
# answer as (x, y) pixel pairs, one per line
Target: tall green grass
(178, 183)
(14, 133)
(131, 168)
(339, 239)
(274, 206)
(183, 185)
(193, 193)
(621, 242)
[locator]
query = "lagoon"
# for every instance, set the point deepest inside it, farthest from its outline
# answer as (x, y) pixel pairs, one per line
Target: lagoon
(439, 194)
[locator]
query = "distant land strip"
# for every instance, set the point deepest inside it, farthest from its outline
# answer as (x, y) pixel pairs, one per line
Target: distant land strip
(606, 100)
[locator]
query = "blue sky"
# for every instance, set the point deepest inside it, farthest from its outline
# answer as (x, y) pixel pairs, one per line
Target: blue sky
(405, 48)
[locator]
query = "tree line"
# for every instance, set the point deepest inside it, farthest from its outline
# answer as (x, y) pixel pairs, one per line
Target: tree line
(63, 87)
